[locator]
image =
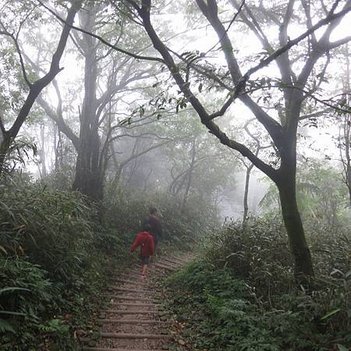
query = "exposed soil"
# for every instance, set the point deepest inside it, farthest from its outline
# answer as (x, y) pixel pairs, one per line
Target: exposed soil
(134, 319)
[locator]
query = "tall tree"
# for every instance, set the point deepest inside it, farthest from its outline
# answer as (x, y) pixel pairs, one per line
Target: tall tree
(344, 139)
(106, 77)
(297, 82)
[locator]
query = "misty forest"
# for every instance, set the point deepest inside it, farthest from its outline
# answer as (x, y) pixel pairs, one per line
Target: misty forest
(231, 119)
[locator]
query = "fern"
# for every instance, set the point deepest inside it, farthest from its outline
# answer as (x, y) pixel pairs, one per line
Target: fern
(6, 327)
(12, 289)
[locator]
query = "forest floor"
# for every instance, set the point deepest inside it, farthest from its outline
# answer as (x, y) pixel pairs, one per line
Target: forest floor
(133, 318)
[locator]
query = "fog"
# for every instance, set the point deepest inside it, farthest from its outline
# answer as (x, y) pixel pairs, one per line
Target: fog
(113, 114)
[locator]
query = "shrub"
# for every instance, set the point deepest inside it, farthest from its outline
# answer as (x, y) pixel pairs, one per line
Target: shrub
(125, 211)
(216, 310)
(220, 312)
(270, 313)
(55, 257)
(258, 252)
(26, 294)
(51, 228)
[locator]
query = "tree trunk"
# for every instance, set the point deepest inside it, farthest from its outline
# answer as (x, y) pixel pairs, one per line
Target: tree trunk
(283, 135)
(89, 178)
(43, 171)
(347, 125)
(246, 193)
(4, 147)
(189, 176)
(293, 224)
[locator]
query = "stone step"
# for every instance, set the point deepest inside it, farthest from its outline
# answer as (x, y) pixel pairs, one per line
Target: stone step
(135, 304)
(138, 326)
(129, 298)
(181, 260)
(159, 265)
(133, 321)
(165, 264)
(134, 336)
(114, 349)
(171, 261)
(136, 272)
(129, 312)
(131, 290)
(126, 281)
(131, 275)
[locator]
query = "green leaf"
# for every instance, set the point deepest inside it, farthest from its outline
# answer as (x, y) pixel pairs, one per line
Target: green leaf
(6, 327)
(12, 313)
(331, 313)
(348, 275)
(11, 289)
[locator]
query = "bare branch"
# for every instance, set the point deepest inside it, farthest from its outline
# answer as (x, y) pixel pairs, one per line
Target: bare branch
(239, 9)
(273, 128)
(140, 57)
(40, 84)
(254, 26)
(307, 8)
(19, 52)
(60, 122)
(265, 62)
(316, 114)
(134, 156)
(336, 44)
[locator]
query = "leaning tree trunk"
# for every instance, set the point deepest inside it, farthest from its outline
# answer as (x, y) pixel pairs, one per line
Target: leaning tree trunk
(292, 219)
(283, 136)
(246, 193)
(4, 148)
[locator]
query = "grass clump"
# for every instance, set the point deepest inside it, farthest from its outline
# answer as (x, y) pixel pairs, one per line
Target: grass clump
(53, 264)
(244, 297)
(58, 252)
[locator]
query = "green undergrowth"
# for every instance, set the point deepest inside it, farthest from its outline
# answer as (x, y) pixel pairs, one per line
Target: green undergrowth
(127, 210)
(241, 295)
(55, 258)
(58, 251)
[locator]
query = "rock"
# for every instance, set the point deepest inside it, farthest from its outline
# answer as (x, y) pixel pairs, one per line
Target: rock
(181, 342)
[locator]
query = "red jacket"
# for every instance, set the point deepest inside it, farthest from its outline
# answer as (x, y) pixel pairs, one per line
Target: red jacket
(146, 242)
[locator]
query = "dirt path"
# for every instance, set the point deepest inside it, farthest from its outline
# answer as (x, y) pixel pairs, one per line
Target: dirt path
(133, 319)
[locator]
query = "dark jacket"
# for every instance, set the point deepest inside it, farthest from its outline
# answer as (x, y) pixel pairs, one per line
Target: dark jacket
(155, 224)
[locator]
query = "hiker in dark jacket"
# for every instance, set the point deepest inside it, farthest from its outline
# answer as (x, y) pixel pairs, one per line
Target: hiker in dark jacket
(155, 225)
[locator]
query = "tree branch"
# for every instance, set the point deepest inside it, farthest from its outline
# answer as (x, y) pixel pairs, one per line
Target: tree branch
(19, 52)
(40, 84)
(265, 62)
(140, 57)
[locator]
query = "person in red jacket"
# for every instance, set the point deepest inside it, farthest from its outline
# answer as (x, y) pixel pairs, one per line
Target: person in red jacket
(145, 240)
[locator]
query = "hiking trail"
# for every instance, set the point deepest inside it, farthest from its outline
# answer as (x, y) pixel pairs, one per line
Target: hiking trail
(134, 319)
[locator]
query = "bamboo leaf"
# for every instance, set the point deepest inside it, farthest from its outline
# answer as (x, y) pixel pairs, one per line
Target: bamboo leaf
(6, 327)
(11, 289)
(329, 314)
